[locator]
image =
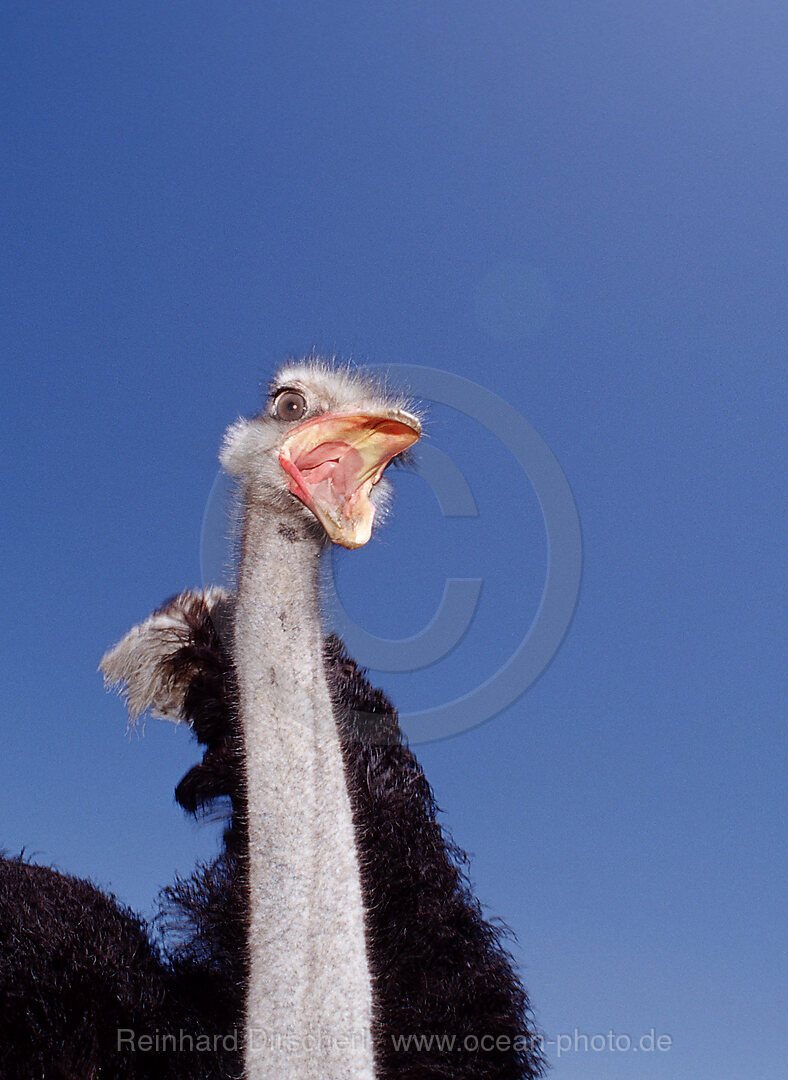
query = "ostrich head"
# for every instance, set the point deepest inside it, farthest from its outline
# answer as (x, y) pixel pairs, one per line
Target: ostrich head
(317, 450)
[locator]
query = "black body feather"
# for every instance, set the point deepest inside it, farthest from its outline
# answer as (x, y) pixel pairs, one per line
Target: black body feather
(441, 975)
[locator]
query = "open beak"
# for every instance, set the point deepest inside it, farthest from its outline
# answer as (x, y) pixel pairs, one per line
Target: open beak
(335, 460)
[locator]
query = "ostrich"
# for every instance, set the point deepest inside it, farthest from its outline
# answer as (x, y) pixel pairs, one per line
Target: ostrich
(337, 926)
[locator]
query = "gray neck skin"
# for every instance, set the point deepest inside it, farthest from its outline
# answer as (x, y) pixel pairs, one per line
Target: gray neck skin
(309, 1004)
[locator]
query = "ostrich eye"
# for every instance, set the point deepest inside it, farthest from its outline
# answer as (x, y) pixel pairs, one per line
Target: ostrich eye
(289, 405)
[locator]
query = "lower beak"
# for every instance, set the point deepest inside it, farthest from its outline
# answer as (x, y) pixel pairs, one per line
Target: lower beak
(334, 461)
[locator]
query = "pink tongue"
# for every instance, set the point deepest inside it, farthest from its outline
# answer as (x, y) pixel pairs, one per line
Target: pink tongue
(325, 452)
(330, 472)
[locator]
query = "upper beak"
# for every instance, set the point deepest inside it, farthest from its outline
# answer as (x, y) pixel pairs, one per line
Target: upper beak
(334, 461)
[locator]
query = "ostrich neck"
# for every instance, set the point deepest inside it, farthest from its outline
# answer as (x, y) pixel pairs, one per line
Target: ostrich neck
(309, 1000)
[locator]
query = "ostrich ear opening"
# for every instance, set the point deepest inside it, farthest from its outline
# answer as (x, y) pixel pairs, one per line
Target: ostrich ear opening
(140, 667)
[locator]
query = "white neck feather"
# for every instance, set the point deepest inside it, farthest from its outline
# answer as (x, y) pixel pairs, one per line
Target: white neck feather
(309, 1008)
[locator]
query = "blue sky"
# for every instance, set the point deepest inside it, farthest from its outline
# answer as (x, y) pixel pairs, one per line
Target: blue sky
(579, 207)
